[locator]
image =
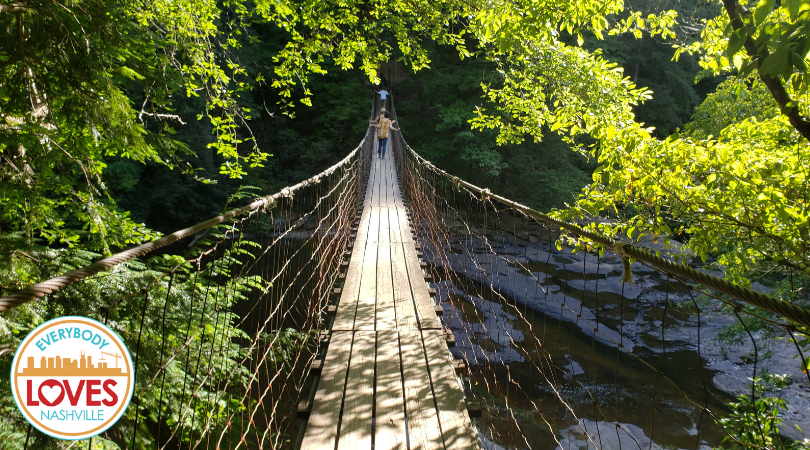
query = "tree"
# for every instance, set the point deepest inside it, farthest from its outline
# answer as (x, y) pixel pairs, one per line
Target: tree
(776, 44)
(734, 184)
(74, 72)
(84, 83)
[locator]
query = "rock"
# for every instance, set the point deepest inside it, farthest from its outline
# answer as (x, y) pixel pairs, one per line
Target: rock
(738, 357)
(574, 369)
(788, 428)
(730, 384)
(607, 436)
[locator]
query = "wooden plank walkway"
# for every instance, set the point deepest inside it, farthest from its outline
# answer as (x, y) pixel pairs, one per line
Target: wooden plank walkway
(388, 380)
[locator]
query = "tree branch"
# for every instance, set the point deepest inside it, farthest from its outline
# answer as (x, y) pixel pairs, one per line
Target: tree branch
(786, 104)
(13, 8)
(161, 116)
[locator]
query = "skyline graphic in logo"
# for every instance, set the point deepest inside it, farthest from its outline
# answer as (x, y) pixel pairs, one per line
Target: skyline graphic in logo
(72, 377)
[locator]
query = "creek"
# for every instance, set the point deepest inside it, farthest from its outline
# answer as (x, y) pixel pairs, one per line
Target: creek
(541, 328)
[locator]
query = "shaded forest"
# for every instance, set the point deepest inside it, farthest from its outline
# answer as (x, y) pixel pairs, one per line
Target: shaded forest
(435, 107)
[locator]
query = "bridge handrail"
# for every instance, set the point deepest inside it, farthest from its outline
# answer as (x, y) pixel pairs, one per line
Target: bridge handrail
(787, 310)
(54, 284)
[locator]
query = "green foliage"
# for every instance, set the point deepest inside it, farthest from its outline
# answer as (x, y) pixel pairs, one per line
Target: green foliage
(167, 314)
(348, 34)
(649, 63)
(434, 108)
(78, 67)
(773, 40)
(739, 100)
(739, 329)
(138, 70)
(740, 196)
(754, 420)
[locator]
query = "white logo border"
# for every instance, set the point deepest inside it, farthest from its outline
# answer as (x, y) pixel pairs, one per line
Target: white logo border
(124, 408)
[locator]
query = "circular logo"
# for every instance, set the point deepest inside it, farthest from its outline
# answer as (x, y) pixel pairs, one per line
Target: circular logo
(72, 377)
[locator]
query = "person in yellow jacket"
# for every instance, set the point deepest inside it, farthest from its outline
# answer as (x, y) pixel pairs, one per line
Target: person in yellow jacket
(383, 125)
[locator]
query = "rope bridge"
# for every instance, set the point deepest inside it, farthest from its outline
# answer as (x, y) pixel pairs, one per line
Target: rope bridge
(308, 319)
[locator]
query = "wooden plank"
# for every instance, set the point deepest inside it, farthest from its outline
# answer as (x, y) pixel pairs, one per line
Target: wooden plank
(394, 183)
(395, 216)
(379, 186)
(391, 180)
(457, 429)
(386, 314)
(347, 305)
(403, 297)
(322, 428)
(403, 229)
(374, 143)
(372, 181)
(404, 226)
(421, 298)
(355, 424)
(390, 407)
(372, 176)
(373, 193)
(423, 422)
(398, 194)
(383, 183)
(367, 299)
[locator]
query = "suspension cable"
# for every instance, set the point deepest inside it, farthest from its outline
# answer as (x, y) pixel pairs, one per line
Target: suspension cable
(788, 310)
(54, 284)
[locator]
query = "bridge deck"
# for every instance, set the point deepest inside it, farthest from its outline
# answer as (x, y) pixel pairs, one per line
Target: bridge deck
(387, 379)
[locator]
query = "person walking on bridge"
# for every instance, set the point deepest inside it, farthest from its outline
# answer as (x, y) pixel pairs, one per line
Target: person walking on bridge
(383, 124)
(383, 95)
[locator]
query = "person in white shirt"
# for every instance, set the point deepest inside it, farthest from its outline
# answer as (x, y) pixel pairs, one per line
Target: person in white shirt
(383, 95)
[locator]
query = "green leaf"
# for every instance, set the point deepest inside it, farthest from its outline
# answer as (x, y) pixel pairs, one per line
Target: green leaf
(131, 74)
(774, 63)
(795, 7)
(798, 62)
(747, 69)
(764, 7)
(783, 213)
(605, 178)
(736, 41)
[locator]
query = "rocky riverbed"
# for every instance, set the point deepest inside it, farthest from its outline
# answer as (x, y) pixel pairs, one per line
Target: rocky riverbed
(505, 292)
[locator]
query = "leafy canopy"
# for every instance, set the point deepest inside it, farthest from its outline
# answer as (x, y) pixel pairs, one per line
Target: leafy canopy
(734, 183)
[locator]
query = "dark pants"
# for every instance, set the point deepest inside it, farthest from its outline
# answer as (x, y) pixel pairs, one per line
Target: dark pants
(381, 147)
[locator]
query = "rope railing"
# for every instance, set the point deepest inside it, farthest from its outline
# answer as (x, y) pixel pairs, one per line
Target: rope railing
(558, 348)
(223, 335)
(54, 284)
(789, 311)
(562, 352)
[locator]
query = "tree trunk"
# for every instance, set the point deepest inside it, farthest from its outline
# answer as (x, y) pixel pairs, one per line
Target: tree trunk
(774, 85)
